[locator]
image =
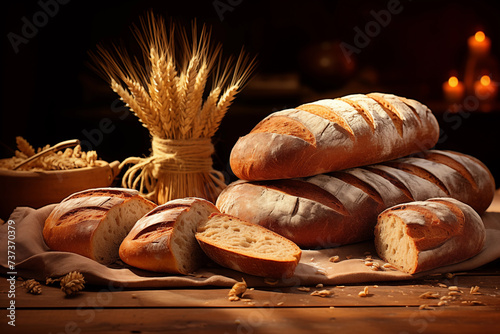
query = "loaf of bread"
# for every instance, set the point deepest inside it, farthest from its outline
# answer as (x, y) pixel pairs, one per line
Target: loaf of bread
(425, 235)
(342, 207)
(94, 222)
(163, 240)
(246, 247)
(334, 134)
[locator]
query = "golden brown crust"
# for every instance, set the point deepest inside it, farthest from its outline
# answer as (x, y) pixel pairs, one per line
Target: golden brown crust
(72, 224)
(440, 232)
(330, 115)
(151, 244)
(285, 126)
(341, 207)
(331, 135)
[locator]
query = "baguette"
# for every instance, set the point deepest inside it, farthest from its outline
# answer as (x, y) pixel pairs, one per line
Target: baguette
(342, 207)
(330, 135)
(248, 248)
(163, 240)
(94, 222)
(425, 235)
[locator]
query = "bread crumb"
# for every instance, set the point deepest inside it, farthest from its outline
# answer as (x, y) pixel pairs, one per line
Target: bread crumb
(425, 307)
(473, 303)
(429, 295)
(334, 258)
(319, 286)
(364, 293)
(441, 285)
(454, 293)
(237, 291)
(442, 303)
(388, 266)
(453, 288)
(304, 288)
(321, 293)
(280, 304)
(474, 290)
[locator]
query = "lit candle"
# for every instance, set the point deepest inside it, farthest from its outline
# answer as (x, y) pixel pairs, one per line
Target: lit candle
(485, 91)
(453, 90)
(479, 44)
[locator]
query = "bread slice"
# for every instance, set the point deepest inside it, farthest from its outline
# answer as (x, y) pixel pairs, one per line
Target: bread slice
(425, 235)
(94, 222)
(163, 240)
(246, 247)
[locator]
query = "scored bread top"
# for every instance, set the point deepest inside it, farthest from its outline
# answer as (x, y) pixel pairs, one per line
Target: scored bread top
(163, 217)
(334, 134)
(73, 222)
(423, 235)
(163, 239)
(430, 223)
(341, 207)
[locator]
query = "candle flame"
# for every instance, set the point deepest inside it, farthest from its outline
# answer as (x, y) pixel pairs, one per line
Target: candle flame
(480, 36)
(453, 81)
(485, 80)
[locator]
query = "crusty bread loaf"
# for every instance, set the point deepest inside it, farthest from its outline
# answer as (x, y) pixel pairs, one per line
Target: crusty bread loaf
(424, 235)
(163, 240)
(246, 247)
(94, 222)
(334, 134)
(341, 207)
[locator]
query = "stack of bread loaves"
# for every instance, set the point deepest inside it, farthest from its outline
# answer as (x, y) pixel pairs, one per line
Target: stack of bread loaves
(316, 176)
(321, 173)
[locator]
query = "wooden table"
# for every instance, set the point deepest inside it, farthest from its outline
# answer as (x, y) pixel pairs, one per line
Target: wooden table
(395, 307)
(389, 308)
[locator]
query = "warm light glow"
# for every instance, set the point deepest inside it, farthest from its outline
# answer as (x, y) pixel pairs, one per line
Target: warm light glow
(485, 80)
(479, 36)
(453, 81)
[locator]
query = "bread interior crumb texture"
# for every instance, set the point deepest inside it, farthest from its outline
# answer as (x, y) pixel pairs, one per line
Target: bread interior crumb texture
(183, 245)
(113, 229)
(394, 245)
(246, 238)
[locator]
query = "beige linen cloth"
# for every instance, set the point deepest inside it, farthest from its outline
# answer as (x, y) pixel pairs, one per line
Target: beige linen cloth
(33, 259)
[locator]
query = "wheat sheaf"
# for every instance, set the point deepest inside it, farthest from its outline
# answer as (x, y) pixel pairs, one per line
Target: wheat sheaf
(180, 93)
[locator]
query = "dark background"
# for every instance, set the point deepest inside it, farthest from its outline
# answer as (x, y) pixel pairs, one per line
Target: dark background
(50, 94)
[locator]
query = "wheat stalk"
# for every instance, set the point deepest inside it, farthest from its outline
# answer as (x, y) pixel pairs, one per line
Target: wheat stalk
(166, 93)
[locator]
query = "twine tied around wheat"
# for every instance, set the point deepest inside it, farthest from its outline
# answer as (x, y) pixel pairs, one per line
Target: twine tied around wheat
(168, 171)
(167, 94)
